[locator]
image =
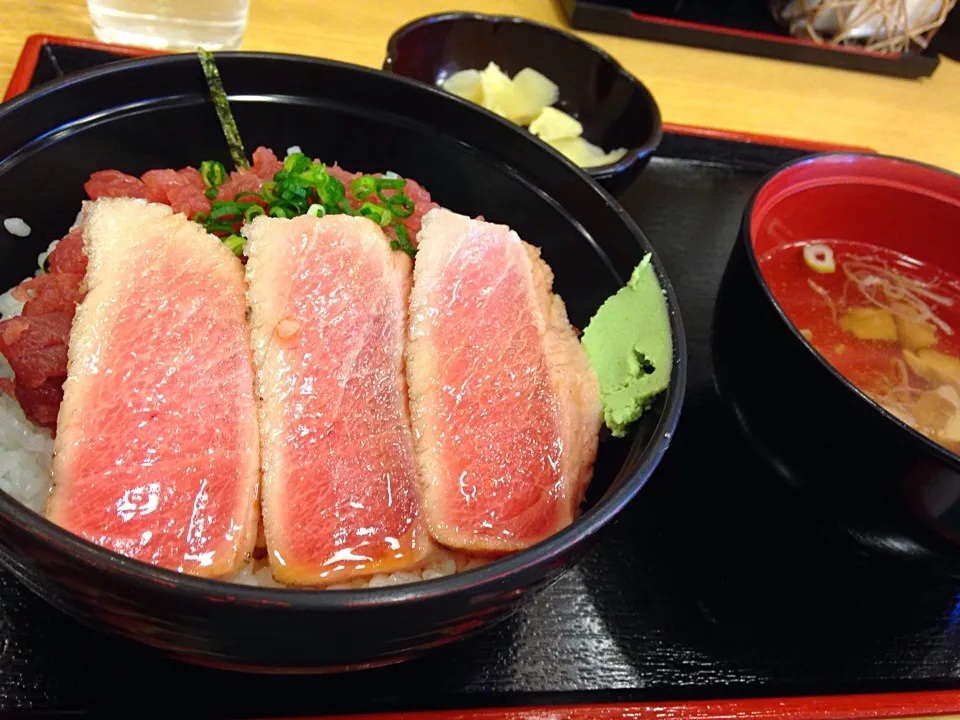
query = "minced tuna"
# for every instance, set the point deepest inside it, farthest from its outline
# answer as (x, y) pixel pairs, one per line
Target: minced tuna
(35, 342)
(183, 190)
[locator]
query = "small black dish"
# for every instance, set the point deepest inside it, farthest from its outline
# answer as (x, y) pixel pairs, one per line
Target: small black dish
(615, 108)
(883, 484)
(135, 115)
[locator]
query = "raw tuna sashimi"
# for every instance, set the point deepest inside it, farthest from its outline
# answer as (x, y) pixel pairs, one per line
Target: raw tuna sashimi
(328, 302)
(157, 448)
(184, 189)
(504, 404)
(34, 343)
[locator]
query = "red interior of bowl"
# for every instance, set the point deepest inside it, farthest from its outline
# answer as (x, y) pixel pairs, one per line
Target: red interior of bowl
(909, 208)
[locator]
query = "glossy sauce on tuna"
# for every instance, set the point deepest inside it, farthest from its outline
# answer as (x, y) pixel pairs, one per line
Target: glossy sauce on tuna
(340, 495)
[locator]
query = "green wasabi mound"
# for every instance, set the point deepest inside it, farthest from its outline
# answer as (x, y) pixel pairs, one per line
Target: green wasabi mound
(630, 348)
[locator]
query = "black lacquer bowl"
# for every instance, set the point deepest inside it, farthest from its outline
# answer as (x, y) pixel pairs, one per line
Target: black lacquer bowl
(886, 486)
(615, 108)
(155, 113)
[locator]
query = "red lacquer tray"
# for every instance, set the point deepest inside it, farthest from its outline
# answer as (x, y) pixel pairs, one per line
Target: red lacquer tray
(839, 707)
(522, 683)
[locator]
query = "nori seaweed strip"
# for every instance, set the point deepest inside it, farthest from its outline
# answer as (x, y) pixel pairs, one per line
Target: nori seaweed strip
(222, 106)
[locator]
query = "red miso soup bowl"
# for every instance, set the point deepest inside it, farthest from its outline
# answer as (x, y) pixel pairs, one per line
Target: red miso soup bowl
(825, 358)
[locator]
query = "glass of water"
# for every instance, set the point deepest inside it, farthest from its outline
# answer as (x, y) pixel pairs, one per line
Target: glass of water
(170, 24)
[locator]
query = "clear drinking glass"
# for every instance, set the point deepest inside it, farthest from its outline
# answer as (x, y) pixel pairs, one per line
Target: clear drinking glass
(170, 24)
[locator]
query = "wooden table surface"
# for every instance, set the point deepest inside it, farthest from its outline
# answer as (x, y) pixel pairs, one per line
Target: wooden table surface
(913, 118)
(918, 119)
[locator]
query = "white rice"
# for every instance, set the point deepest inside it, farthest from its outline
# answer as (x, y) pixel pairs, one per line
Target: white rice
(16, 226)
(26, 451)
(255, 573)
(9, 306)
(42, 257)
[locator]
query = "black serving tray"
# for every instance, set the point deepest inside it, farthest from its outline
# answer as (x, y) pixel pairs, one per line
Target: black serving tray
(711, 584)
(741, 26)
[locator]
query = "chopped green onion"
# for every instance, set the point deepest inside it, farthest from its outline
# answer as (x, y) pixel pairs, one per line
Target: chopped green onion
(268, 191)
(213, 173)
(296, 163)
(220, 103)
(400, 205)
(403, 240)
(301, 187)
(234, 243)
(225, 228)
(226, 209)
(389, 184)
(819, 257)
(281, 212)
(361, 187)
(219, 212)
(377, 213)
(332, 190)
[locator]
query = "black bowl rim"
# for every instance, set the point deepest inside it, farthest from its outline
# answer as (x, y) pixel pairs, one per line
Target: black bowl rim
(225, 592)
(746, 236)
(633, 156)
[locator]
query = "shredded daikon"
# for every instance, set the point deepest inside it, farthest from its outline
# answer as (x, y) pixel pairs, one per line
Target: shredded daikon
(900, 294)
(823, 293)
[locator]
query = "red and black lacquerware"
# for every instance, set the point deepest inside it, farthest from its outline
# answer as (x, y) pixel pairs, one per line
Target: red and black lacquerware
(888, 486)
(155, 113)
(615, 108)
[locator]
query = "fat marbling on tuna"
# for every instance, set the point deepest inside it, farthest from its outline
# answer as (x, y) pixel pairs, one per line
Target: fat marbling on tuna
(504, 404)
(157, 455)
(328, 299)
